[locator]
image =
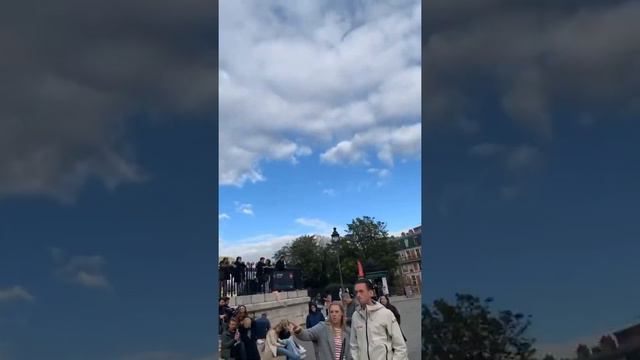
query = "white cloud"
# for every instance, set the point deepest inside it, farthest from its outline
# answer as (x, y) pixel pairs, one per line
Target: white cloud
(314, 76)
(15, 294)
(381, 173)
(389, 143)
(519, 159)
(246, 209)
(344, 152)
(486, 149)
(320, 226)
(84, 270)
(523, 159)
(329, 192)
(65, 113)
(91, 280)
(251, 249)
(224, 216)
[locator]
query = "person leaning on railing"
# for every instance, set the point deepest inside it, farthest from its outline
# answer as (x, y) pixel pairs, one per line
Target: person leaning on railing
(239, 269)
(224, 269)
(268, 271)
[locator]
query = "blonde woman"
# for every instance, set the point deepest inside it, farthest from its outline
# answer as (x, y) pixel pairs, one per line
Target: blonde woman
(330, 338)
(279, 343)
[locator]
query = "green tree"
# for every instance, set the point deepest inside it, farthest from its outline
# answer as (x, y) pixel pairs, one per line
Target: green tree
(607, 344)
(468, 329)
(306, 254)
(583, 351)
(368, 240)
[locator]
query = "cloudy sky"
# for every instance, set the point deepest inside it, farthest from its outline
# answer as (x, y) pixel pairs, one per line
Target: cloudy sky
(319, 119)
(531, 192)
(107, 180)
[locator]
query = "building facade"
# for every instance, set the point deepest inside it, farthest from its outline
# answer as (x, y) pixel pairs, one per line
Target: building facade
(410, 261)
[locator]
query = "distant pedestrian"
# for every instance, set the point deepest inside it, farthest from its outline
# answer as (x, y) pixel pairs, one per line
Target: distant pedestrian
(349, 306)
(386, 302)
(315, 316)
(224, 270)
(262, 326)
(375, 333)
(260, 273)
(327, 303)
(239, 271)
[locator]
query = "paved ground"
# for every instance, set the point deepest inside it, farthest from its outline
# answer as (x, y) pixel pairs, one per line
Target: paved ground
(410, 315)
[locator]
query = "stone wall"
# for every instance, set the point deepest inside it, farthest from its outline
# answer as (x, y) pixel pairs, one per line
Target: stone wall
(290, 305)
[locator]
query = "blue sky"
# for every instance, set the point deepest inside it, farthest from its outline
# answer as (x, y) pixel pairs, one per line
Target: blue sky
(319, 120)
(311, 198)
(562, 249)
(531, 192)
(107, 181)
(136, 260)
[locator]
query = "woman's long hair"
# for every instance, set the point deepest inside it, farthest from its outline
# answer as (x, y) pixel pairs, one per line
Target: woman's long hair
(386, 298)
(281, 328)
(389, 306)
(282, 325)
(343, 319)
(241, 312)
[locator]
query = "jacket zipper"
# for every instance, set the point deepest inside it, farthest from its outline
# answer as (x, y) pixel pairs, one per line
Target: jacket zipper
(366, 330)
(387, 349)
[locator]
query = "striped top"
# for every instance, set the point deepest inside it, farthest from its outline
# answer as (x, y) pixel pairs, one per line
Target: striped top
(337, 340)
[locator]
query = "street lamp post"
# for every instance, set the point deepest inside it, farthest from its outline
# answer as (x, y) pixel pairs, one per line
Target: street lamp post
(336, 238)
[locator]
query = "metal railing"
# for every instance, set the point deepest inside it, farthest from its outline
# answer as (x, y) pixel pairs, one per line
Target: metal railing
(238, 281)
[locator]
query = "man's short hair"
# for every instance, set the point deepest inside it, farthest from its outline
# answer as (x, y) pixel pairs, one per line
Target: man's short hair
(264, 315)
(367, 282)
(262, 258)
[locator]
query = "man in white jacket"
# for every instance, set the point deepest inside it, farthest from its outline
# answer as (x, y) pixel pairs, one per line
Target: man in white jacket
(375, 333)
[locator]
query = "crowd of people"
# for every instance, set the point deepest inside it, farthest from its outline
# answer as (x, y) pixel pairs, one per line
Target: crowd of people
(365, 329)
(240, 278)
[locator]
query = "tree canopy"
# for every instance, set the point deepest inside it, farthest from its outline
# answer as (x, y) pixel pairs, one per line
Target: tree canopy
(469, 329)
(364, 238)
(308, 255)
